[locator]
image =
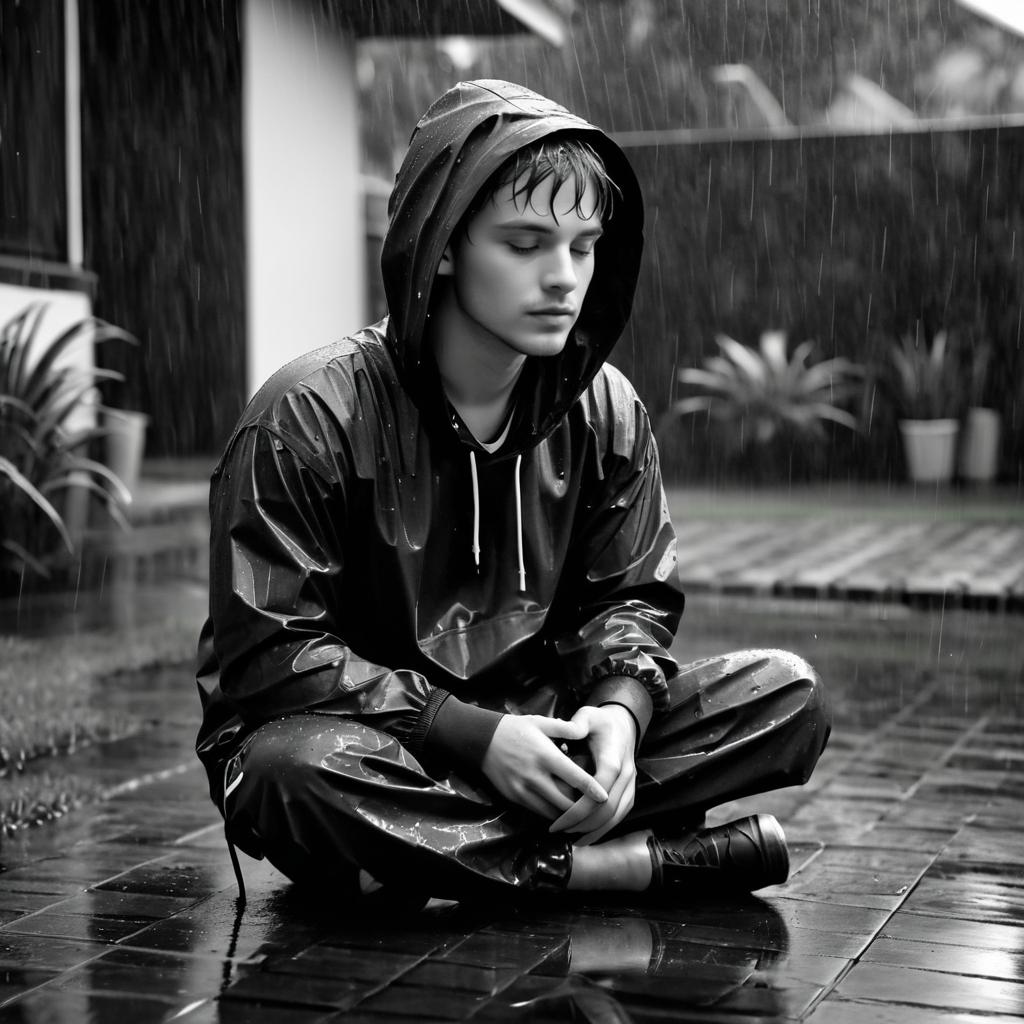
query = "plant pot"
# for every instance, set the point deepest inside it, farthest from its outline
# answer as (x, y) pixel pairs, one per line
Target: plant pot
(125, 445)
(979, 446)
(930, 449)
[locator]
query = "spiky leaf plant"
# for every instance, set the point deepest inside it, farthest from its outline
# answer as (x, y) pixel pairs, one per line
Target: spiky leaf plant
(760, 395)
(42, 454)
(927, 384)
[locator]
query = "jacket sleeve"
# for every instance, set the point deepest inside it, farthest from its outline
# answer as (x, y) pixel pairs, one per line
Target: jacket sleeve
(277, 557)
(629, 599)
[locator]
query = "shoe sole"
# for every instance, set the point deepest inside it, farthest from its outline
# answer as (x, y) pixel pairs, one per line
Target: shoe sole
(773, 848)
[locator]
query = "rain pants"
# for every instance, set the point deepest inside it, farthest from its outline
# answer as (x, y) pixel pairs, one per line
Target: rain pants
(383, 588)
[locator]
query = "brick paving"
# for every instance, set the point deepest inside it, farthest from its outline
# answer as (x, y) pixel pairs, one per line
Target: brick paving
(906, 901)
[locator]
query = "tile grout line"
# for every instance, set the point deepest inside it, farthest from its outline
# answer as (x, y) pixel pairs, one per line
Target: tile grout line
(942, 760)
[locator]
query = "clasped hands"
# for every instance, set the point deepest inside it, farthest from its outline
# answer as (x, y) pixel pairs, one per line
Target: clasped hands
(525, 762)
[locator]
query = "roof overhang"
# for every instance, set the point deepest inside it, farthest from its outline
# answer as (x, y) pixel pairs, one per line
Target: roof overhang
(1007, 14)
(548, 19)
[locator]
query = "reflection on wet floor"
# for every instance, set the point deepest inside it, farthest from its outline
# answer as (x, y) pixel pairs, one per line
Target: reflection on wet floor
(906, 901)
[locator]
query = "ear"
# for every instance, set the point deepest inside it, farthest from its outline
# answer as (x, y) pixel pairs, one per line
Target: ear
(447, 265)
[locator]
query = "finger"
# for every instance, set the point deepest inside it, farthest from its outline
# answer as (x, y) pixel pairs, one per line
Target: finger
(579, 812)
(535, 802)
(587, 814)
(625, 805)
(558, 728)
(548, 791)
(570, 772)
(606, 816)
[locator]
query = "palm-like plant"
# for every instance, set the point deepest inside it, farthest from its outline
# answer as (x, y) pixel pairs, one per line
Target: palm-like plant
(765, 393)
(41, 453)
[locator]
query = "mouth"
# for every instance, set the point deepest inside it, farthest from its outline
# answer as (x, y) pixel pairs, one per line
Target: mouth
(554, 311)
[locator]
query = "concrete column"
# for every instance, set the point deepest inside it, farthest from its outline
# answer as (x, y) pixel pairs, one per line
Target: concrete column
(303, 202)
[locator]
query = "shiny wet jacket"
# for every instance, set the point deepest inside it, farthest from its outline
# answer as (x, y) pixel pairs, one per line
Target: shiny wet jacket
(370, 559)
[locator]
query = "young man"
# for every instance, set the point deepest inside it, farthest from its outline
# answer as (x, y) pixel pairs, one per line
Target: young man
(443, 576)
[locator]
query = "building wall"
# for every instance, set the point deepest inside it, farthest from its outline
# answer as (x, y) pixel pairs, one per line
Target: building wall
(303, 197)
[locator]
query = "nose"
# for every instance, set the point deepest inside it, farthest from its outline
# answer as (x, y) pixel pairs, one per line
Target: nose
(560, 271)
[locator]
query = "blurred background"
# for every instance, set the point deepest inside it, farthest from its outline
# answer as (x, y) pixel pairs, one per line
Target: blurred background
(212, 175)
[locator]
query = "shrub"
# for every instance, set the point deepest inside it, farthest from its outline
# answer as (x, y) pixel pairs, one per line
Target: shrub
(42, 456)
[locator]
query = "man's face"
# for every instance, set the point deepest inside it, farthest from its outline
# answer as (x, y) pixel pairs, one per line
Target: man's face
(520, 272)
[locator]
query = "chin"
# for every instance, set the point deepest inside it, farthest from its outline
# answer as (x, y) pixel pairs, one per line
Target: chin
(540, 347)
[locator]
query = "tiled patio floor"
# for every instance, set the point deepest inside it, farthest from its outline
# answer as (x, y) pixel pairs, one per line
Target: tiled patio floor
(906, 903)
(963, 549)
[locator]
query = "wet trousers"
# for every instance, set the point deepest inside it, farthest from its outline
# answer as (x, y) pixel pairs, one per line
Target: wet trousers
(324, 797)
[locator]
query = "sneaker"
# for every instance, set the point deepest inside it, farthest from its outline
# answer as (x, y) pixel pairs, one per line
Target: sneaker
(742, 855)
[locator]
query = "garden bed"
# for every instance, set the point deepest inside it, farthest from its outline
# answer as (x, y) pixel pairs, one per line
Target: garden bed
(62, 694)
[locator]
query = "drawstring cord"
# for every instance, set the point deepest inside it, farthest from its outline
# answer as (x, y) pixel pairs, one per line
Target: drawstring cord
(519, 523)
(476, 509)
(519, 515)
(227, 838)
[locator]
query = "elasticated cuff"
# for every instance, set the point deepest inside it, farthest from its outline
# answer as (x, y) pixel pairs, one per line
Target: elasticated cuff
(631, 694)
(460, 734)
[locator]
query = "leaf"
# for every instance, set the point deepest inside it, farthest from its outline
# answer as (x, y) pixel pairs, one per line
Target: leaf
(118, 489)
(102, 331)
(711, 381)
(8, 469)
(20, 343)
(110, 502)
(23, 556)
(687, 406)
(745, 359)
(773, 348)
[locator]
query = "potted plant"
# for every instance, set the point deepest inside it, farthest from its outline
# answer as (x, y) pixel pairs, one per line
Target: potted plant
(766, 397)
(44, 456)
(927, 397)
(979, 444)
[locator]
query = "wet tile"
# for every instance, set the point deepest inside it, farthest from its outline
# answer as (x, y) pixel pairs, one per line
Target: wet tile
(180, 880)
(44, 953)
(83, 1008)
(851, 889)
(15, 981)
(497, 950)
(987, 846)
(972, 895)
(837, 819)
(17, 886)
(953, 931)
(376, 967)
(136, 906)
(270, 924)
(984, 963)
(70, 926)
(479, 980)
(876, 982)
(294, 990)
(427, 1003)
(17, 904)
(926, 841)
(860, 921)
(240, 1012)
(841, 1011)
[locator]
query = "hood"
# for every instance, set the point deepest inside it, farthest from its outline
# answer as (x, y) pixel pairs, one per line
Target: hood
(458, 144)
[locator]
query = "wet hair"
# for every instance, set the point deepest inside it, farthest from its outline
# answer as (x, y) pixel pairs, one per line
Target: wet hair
(565, 158)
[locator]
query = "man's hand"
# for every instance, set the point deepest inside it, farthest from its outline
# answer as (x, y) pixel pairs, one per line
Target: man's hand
(611, 735)
(525, 765)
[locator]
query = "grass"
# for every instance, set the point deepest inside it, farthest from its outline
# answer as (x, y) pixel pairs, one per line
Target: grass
(48, 693)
